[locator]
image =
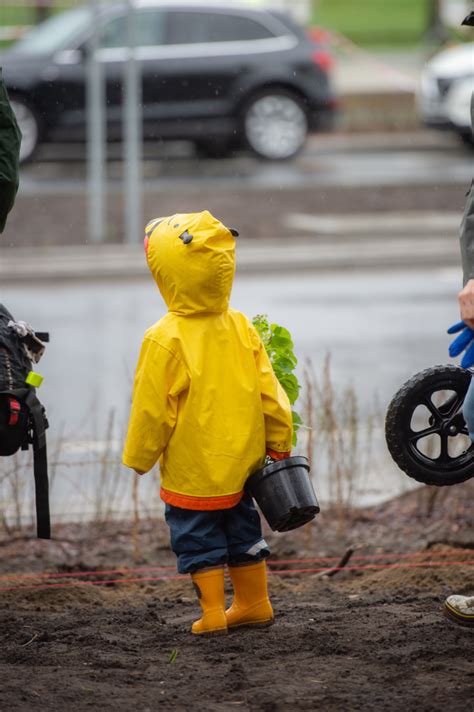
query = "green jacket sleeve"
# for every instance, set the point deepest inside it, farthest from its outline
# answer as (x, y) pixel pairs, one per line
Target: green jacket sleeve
(10, 139)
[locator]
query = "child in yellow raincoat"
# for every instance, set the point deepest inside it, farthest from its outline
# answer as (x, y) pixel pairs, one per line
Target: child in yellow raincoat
(208, 406)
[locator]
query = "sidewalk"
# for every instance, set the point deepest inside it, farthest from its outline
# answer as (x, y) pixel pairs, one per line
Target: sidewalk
(360, 71)
(377, 88)
(264, 256)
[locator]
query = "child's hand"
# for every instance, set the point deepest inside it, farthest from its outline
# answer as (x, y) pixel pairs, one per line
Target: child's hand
(463, 342)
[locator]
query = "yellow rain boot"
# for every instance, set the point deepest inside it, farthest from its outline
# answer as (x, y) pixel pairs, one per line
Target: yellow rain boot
(251, 605)
(209, 586)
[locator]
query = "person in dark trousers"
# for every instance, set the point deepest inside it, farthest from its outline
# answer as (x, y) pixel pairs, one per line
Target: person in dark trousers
(456, 607)
(10, 140)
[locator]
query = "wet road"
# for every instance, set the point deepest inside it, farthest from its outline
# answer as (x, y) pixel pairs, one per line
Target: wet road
(328, 160)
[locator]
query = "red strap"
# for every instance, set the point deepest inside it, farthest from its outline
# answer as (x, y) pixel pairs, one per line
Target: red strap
(14, 411)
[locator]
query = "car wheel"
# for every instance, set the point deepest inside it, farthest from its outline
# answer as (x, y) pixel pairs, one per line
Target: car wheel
(29, 127)
(275, 125)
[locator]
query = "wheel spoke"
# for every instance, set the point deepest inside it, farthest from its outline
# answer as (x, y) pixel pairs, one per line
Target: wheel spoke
(432, 408)
(444, 454)
(451, 406)
(416, 436)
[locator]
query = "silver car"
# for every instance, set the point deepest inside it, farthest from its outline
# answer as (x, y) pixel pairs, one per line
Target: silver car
(447, 83)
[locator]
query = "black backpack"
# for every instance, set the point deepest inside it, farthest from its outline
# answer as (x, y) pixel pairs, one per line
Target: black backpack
(22, 417)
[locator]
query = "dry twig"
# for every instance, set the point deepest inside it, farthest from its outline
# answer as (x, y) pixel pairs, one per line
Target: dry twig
(335, 569)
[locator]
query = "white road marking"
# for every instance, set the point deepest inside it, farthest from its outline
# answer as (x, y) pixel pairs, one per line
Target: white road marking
(380, 223)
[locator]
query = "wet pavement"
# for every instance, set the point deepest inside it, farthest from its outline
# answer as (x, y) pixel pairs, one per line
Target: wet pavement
(328, 160)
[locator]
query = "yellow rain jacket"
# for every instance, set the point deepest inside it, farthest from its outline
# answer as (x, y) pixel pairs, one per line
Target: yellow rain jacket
(206, 401)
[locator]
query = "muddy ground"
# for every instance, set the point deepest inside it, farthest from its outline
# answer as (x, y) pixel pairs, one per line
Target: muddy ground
(371, 639)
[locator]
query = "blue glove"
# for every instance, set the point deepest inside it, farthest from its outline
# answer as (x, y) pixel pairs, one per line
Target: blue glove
(463, 342)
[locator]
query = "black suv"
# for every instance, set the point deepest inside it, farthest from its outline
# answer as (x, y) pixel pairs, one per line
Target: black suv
(219, 74)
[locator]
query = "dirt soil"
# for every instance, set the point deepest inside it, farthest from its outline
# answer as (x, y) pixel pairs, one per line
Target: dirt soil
(370, 639)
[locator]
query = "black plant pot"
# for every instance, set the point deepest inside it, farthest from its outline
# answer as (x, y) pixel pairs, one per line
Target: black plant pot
(284, 493)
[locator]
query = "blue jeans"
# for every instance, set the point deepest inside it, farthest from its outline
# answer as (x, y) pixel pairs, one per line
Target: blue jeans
(468, 409)
(212, 538)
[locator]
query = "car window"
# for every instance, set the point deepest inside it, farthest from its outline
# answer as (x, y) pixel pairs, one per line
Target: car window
(58, 32)
(194, 27)
(150, 30)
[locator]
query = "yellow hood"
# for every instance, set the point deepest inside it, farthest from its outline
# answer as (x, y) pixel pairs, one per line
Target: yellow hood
(192, 258)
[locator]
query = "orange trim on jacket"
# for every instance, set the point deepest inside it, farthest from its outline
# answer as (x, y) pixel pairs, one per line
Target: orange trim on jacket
(185, 501)
(278, 455)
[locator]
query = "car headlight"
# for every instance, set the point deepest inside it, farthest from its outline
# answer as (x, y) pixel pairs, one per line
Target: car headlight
(458, 103)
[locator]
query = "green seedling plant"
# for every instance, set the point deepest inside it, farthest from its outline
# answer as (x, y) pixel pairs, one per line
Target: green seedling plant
(279, 347)
(173, 656)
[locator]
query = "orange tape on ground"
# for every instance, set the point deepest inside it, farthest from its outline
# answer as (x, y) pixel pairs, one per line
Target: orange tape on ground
(146, 569)
(278, 572)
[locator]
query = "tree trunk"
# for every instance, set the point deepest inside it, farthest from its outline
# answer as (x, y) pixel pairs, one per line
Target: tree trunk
(41, 11)
(436, 31)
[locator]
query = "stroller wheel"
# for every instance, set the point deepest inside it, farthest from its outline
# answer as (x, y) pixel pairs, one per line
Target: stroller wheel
(425, 430)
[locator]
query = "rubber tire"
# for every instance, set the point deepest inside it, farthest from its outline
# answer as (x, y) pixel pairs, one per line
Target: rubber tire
(398, 419)
(247, 108)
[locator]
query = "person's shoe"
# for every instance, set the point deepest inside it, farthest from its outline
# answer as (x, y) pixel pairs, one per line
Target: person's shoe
(251, 605)
(209, 587)
(460, 609)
